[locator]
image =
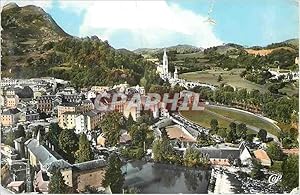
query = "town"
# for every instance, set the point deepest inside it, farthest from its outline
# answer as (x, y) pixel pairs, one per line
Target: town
(79, 116)
(47, 126)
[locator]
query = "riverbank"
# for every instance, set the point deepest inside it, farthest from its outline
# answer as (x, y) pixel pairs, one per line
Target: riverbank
(220, 182)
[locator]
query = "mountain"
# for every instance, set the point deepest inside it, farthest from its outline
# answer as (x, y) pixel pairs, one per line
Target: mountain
(294, 42)
(180, 49)
(34, 46)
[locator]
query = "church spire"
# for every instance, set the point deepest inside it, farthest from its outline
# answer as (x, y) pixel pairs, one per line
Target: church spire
(165, 63)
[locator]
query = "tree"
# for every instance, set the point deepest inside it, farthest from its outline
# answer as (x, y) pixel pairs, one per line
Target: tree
(85, 152)
(10, 137)
(262, 135)
(274, 151)
(222, 132)
(290, 169)
(232, 127)
(214, 124)
(138, 134)
(241, 130)
(194, 158)
(114, 176)
(157, 152)
(256, 172)
(57, 183)
(220, 78)
(230, 137)
(129, 121)
(53, 134)
(249, 137)
(68, 142)
(20, 132)
(111, 126)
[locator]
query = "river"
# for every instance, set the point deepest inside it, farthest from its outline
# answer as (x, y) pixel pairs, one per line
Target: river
(160, 178)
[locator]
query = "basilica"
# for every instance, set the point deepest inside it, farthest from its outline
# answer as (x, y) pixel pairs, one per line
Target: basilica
(173, 79)
(163, 69)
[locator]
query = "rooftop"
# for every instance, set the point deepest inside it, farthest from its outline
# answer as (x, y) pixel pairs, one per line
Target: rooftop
(261, 155)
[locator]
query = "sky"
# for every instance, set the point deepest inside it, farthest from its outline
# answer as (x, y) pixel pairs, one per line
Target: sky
(139, 24)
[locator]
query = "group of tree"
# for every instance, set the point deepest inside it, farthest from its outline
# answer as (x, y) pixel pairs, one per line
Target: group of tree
(289, 138)
(141, 136)
(67, 143)
(12, 135)
(239, 58)
(274, 151)
(57, 183)
(114, 177)
(194, 158)
(111, 125)
(290, 170)
(232, 134)
(164, 152)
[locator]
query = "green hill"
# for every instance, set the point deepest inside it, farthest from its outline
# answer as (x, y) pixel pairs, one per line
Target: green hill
(34, 45)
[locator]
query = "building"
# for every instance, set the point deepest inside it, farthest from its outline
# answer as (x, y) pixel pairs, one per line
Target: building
(41, 182)
(262, 157)
(67, 120)
(245, 155)
(11, 101)
(88, 121)
(16, 186)
(77, 176)
(29, 115)
(222, 155)
(67, 112)
(19, 146)
(45, 103)
(99, 89)
(10, 117)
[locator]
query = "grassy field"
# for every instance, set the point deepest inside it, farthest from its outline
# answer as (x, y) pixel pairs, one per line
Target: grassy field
(190, 55)
(246, 118)
(231, 77)
(204, 117)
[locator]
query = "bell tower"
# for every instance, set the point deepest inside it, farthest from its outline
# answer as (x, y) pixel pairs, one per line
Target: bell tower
(165, 63)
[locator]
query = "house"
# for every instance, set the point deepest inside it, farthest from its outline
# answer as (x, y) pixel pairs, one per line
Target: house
(67, 120)
(220, 156)
(10, 117)
(262, 157)
(245, 154)
(41, 182)
(88, 121)
(29, 115)
(16, 186)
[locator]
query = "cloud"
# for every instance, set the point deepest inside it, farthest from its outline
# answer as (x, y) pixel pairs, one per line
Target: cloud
(145, 23)
(45, 4)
